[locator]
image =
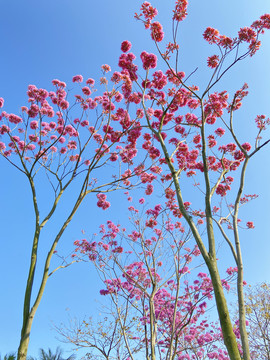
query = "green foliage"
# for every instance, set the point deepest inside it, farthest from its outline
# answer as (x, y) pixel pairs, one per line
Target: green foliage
(10, 356)
(49, 355)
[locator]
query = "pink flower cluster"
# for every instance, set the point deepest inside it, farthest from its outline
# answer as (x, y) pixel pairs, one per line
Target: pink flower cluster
(215, 105)
(102, 203)
(149, 60)
(157, 33)
(213, 61)
(135, 280)
(149, 12)
(238, 97)
(1, 102)
(125, 46)
(77, 78)
(262, 122)
(180, 10)
(159, 80)
(128, 68)
(250, 225)
(246, 34)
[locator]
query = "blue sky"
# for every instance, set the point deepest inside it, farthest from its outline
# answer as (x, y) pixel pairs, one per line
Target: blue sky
(41, 41)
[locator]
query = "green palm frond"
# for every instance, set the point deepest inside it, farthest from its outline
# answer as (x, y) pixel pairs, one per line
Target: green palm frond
(49, 355)
(10, 356)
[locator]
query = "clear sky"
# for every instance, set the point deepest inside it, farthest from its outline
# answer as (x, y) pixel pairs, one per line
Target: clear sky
(43, 40)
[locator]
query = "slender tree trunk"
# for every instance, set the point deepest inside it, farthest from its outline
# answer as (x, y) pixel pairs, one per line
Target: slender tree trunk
(28, 315)
(152, 327)
(224, 315)
(25, 337)
(210, 260)
(240, 276)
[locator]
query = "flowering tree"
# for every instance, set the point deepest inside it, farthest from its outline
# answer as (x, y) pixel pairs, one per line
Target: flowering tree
(158, 311)
(257, 302)
(48, 139)
(184, 135)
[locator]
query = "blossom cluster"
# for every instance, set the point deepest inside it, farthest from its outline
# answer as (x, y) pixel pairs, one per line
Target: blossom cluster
(134, 281)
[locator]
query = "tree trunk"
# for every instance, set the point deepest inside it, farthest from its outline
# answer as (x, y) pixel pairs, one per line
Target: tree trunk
(223, 312)
(25, 337)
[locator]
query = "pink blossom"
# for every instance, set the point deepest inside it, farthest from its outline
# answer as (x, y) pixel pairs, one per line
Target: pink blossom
(85, 123)
(15, 138)
(159, 80)
(75, 157)
(184, 270)
(116, 77)
(62, 140)
(1, 102)
(21, 145)
(221, 190)
(197, 139)
(238, 155)
(33, 110)
(70, 130)
(129, 69)
(113, 157)
(92, 104)
(180, 11)
(149, 11)
(31, 147)
(247, 34)
(190, 173)
(15, 119)
(261, 121)
(157, 33)
(246, 146)
(33, 138)
(149, 60)
(106, 68)
(250, 225)
(149, 190)
(64, 104)
(219, 131)
(55, 82)
(8, 153)
(226, 42)
(118, 250)
(118, 97)
(211, 35)
(211, 119)
(77, 78)
(4, 129)
(231, 270)
(125, 46)
(86, 90)
(102, 203)
(63, 150)
(72, 144)
(52, 125)
(213, 61)
(90, 82)
(211, 141)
